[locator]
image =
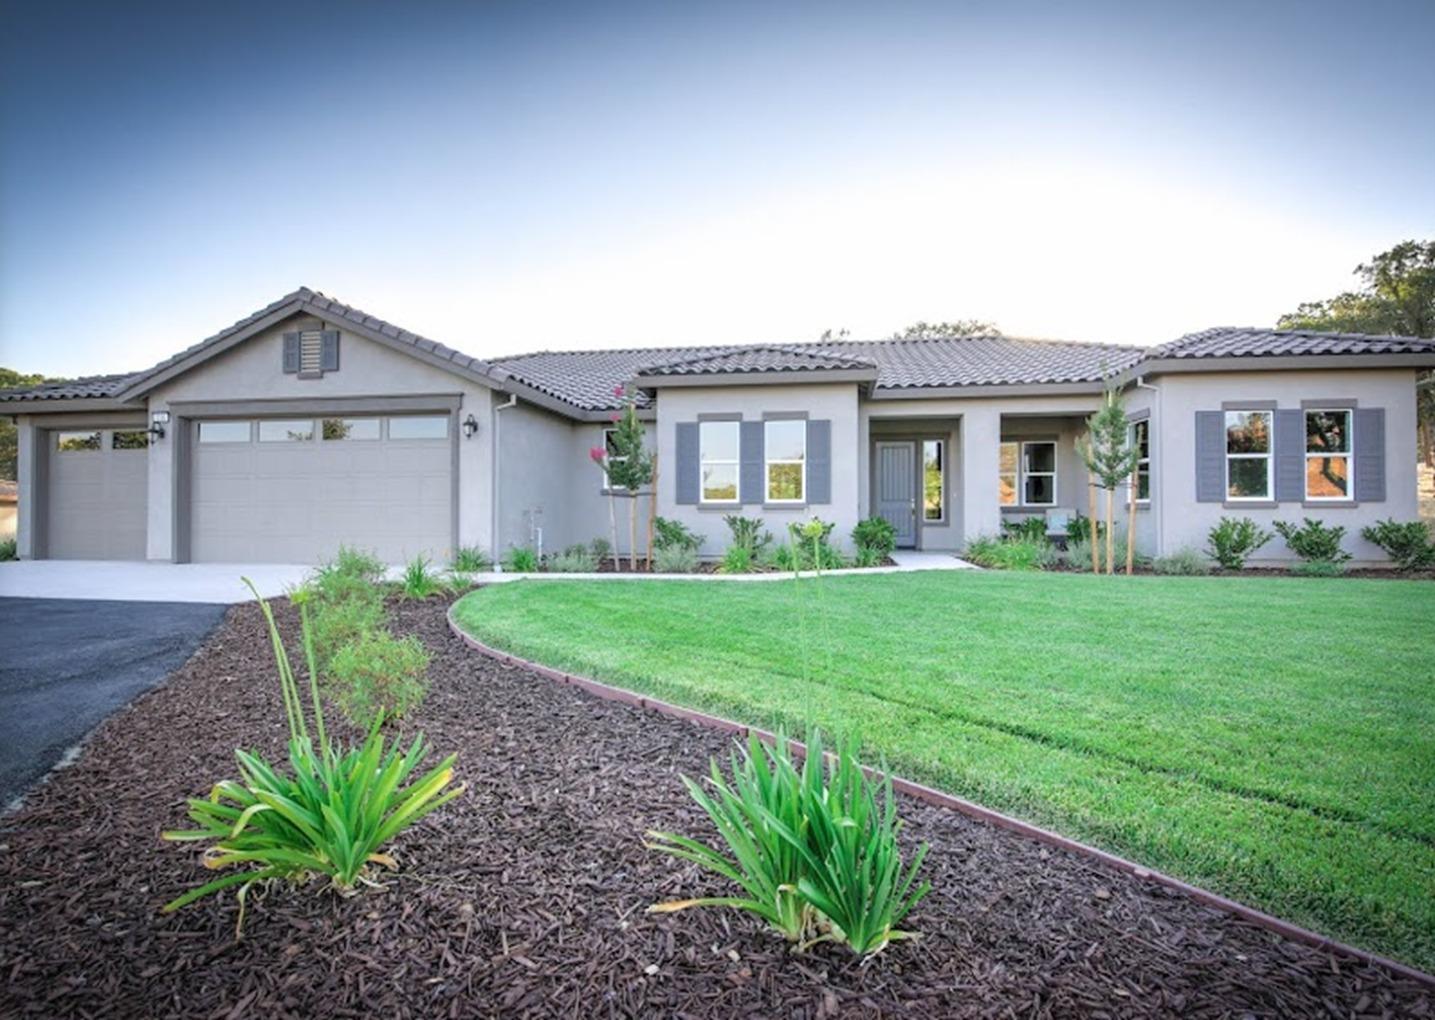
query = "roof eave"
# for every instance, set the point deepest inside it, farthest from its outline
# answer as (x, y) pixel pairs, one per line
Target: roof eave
(66, 405)
(1021, 389)
(1272, 363)
(771, 377)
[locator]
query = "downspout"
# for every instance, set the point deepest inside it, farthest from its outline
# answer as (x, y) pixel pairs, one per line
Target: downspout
(1157, 504)
(497, 475)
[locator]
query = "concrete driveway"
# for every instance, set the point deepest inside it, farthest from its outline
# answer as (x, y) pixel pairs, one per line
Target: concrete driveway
(145, 582)
(69, 663)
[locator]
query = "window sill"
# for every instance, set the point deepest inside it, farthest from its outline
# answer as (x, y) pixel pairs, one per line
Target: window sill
(785, 506)
(1329, 504)
(1250, 504)
(1028, 508)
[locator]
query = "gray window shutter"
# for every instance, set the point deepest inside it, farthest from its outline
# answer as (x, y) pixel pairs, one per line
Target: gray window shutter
(1369, 449)
(688, 469)
(329, 351)
(291, 352)
(1289, 456)
(751, 488)
(819, 461)
(1210, 456)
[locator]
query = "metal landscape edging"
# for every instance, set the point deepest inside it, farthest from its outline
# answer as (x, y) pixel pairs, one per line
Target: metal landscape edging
(951, 802)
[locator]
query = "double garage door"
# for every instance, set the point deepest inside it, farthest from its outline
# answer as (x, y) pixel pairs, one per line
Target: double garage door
(293, 490)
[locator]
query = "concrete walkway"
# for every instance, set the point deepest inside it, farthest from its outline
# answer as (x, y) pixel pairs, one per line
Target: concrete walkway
(110, 580)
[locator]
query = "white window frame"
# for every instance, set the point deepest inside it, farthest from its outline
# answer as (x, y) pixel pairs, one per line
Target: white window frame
(1348, 455)
(1142, 463)
(941, 517)
(768, 462)
(1024, 474)
(1269, 415)
(736, 463)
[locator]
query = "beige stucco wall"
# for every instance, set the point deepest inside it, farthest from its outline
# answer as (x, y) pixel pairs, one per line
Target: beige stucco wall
(253, 370)
(1185, 522)
(834, 402)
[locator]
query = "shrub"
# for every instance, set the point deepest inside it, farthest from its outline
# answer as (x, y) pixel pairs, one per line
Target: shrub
(379, 676)
(332, 817)
(1314, 540)
(576, 559)
(808, 548)
(459, 581)
(470, 559)
(737, 560)
(601, 549)
(667, 532)
(1079, 528)
(520, 560)
(7, 549)
(675, 559)
(1012, 554)
(339, 623)
(420, 580)
(866, 557)
(749, 533)
(1408, 544)
(355, 564)
(813, 849)
(1078, 554)
(1318, 568)
(876, 534)
(332, 588)
(1233, 539)
(1186, 562)
(1030, 529)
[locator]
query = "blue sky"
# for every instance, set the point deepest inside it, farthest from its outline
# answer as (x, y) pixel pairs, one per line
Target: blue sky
(512, 177)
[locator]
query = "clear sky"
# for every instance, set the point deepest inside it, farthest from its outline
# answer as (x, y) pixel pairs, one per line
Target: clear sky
(512, 177)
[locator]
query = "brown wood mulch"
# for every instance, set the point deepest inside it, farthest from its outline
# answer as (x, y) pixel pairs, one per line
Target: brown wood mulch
(526, 896)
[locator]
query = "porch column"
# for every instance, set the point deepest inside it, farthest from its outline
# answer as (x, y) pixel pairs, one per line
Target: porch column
(980, 437)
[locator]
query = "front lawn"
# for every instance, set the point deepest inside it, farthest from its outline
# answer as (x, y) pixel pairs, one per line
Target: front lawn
(1271, 739)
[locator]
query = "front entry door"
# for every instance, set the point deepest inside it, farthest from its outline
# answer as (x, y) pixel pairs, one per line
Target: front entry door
(897, 489)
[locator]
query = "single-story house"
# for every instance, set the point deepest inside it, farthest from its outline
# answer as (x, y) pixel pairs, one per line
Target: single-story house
(310, 423)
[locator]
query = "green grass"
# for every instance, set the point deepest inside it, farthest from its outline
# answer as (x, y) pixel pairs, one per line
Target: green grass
(1271, 739)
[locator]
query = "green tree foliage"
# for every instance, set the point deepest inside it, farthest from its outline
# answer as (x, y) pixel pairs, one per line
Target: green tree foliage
(920, 330)
(1396, 295)
(1110, 458)
(9, 448)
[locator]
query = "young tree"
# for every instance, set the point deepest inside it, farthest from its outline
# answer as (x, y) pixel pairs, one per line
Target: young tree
(629, 466)
(1110, 459)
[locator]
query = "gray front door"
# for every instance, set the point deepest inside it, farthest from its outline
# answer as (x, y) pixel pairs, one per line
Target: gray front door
(897, 489)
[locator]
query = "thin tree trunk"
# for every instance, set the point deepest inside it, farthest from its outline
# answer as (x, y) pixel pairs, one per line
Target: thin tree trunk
(652, 508)
(613, 527)
(1131, 527)
(1095, 535)
(633, 532)
(1111, 531)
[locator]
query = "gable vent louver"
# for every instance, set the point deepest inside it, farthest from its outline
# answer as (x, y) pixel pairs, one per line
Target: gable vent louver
(311, 352)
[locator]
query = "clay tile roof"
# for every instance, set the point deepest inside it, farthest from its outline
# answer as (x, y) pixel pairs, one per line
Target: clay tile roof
(67, 389)
(1233, 342)
(758, 358)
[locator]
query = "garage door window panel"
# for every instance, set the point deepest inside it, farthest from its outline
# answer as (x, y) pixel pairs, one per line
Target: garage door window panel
(129, 439)
(419, 427)
(224, 432)
(294, 430)
(77, 442)
(350, 429)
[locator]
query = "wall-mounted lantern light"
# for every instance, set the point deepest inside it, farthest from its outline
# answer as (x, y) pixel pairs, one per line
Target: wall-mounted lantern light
(158, 421)
(470, 427)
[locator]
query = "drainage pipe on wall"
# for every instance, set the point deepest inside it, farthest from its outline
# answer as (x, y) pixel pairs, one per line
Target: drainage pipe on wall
(497, 475)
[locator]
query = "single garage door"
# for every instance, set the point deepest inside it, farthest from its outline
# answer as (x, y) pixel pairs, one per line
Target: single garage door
(96, 494)
(293, 490)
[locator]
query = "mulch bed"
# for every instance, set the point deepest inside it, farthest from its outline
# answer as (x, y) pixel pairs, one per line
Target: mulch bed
(526, 896)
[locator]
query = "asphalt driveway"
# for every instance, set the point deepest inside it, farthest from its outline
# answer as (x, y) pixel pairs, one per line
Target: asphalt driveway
(66, 664)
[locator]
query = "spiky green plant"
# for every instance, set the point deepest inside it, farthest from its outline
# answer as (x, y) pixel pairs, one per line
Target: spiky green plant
(332, 816)
(420, 580)
(814, 850)
(470, 559)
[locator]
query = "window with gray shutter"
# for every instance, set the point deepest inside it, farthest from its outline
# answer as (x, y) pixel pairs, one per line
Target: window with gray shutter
(751, 488)
(1210, 456)
(329, 351)
(688, 472)
(819, 461)
(291, 353)
(1290, 456)
(1369, 444)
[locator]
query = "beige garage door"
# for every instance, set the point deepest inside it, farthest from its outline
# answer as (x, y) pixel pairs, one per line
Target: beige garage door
(95, 503)
(293, 490)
